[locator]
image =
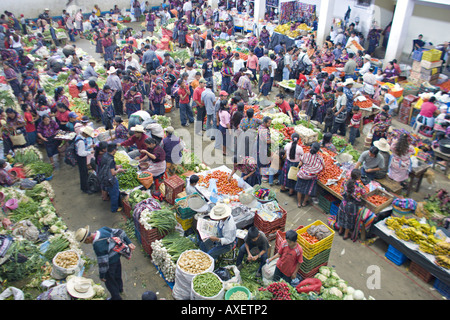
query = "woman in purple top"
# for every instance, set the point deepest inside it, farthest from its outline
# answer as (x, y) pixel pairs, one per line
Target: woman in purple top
(390, 73)
(46, 131)
(150, 18)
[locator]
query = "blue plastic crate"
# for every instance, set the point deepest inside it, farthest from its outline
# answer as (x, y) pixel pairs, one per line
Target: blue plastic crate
(395, 256)
(334, 207)
(417, 55)
(442, 288)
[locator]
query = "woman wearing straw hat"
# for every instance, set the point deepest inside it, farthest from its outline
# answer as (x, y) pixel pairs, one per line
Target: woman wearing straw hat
(215, 246)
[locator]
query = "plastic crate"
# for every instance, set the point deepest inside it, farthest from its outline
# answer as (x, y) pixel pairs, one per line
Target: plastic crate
(395, 256)
(270, 228)
(309, 264)
(151, 235)
(185, 223)
(173, 186)
(126, 209)
(280, 237)
(325, 201)
(335, 207)
(417, 55)
(432, 55)
(186, 212)
(420, 272)
(312, 249)
(442, 288)
(311, 273)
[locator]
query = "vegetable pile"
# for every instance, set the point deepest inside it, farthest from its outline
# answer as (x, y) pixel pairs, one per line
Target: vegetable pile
(66, 259)
(224, 186)
(164, 220)
(439, 203)
(377, 200)
(207, 284)
(137, 196)
(128, 179)
(194, 261)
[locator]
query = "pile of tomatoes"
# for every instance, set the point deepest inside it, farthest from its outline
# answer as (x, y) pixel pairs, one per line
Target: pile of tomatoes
(287, 132)
(364, 104)
(311, 239)
(377, 200)
(255, 108)
(224, 186)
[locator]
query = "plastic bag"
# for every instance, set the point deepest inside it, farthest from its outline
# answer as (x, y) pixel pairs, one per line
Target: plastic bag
(269, 269)
(12, 291)
(241, 183)
(223, 273)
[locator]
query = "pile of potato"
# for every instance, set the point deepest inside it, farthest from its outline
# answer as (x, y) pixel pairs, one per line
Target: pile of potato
(194, 261)
(66, 259)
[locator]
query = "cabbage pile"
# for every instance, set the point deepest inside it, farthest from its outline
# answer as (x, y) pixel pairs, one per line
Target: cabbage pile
(335, 288)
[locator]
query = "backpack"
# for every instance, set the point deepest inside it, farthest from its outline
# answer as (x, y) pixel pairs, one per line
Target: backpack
(93, 182)
(70, 156)
(280, 65)
(174, 90)
(105, 176)
(302, 67)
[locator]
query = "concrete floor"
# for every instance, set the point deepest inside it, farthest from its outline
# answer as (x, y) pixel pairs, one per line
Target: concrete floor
(354, 262)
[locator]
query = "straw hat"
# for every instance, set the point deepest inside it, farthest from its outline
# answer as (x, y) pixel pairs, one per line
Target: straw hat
(367, 57)
(112, 70)
(170, 129)
(220, 211)
(88, 130)
(92, 61)
(82, 234)
(127, 55)
(382, 144)
(348, 81)
(139, 128)
(80, 287)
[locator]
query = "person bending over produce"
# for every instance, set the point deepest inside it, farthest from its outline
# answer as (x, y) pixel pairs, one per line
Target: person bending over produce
(6, 178)
(254, 239)
(154, 155)
(290, 257)
(109, 266)
(215, 246)
(371, 161)
(138, 139)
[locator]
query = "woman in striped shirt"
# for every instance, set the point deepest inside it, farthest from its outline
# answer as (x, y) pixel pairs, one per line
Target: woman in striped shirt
(311, 165)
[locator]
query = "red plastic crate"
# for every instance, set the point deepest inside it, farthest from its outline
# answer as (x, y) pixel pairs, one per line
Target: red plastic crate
(151, 235)
(420, 272)
(280, 237)
(173, 186)
(126, 209)
(269, 228)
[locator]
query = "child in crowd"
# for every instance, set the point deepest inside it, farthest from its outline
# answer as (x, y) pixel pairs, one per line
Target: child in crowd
(30, 126)
(355, 123)
(190, 188)
(328, 120)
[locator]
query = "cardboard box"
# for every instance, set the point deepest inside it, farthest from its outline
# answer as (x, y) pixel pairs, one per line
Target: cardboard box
(429, 72)
(430, 64)
(416, 66)
(430, 78)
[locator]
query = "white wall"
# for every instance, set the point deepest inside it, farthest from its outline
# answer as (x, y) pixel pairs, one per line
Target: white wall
(431, 21)
(32, 8)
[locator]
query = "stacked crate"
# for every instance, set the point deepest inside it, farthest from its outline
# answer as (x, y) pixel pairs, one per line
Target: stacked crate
(316, 254)
(427, 67)
(405, 111)
(325, 201)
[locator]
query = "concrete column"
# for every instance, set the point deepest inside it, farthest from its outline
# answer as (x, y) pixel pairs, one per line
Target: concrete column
(259, 9)
(399, 30)
(214, 4)
(325, 20)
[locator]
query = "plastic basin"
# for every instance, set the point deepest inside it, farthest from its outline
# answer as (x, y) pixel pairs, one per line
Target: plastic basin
(235, 289)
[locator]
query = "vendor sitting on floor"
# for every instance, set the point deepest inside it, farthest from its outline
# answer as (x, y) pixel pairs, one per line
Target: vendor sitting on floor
(215, 246)
(191, 186)
(372, 162)
(254, 239)
(138, 139)
(6, 178)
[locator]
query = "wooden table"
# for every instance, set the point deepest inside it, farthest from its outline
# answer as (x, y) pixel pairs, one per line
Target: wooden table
(444, 156)
(326, 188)
(416, 177)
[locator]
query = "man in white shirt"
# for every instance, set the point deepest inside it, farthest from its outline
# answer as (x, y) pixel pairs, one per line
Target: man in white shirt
(238, 63)
(215, 246)
(366, 65)
(352, 37)
(340, 37)
(130, 61)
(83, 150)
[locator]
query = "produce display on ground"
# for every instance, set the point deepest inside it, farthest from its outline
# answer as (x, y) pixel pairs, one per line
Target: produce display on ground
(224, 186)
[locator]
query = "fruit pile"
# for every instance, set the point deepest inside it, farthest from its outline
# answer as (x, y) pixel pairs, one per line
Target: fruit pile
(377, 200)
(363, 104)
(279, 290)
(311, 239)
(224, 186)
